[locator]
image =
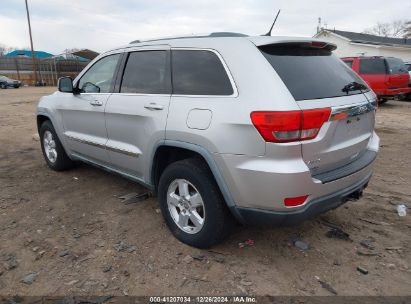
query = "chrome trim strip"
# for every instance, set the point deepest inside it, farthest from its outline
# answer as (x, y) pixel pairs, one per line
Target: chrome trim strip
(110, 148)
(353, 110)
(85, 141)
(155, 48)
(122, 151)
(141, 94)
(227, 70)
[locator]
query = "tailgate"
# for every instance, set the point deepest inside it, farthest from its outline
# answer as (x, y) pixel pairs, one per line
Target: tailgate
(398, 81)
(344, 138)
(318, 80)
(398, 73)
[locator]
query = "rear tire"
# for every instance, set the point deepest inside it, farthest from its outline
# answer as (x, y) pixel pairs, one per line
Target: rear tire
(3, 85)
(192, 205)
(53, 151)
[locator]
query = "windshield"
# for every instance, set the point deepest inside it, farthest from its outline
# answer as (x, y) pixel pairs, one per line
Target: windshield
(312, 73)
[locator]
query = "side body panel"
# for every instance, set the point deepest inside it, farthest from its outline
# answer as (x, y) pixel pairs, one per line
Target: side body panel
(84, 124)
(256, 87)
(135, 123)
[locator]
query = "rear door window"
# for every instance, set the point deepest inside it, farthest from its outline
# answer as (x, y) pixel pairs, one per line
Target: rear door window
(146, 72)
(348, 63)
(312, 73)
(372, 66)
(199, 72)
(396, 66)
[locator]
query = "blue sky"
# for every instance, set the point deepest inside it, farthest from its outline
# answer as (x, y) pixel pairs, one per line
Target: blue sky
(103, 24)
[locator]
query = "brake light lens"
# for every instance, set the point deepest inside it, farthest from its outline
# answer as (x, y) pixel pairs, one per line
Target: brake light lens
(295, 201)
(291, 125)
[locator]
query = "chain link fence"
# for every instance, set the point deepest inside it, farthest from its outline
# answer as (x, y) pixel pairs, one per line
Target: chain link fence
(48, 70)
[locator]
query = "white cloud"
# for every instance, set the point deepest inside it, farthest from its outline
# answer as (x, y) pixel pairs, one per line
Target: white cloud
(102, 24)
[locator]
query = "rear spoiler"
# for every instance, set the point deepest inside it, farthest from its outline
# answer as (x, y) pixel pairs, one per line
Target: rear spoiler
(304, 44)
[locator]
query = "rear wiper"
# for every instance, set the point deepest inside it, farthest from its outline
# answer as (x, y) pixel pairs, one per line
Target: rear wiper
(353, 86)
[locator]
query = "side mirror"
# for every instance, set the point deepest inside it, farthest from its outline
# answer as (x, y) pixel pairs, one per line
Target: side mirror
(65, 85)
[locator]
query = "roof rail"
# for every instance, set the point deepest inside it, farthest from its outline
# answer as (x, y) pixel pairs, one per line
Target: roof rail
(214, 34)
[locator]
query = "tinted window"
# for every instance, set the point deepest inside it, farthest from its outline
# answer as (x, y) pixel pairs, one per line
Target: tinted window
(99, 78)
(409, 67)
(372, 66)
(396, 66)
(349, 63)
(311, 73)
(199, 73)
(146, 72)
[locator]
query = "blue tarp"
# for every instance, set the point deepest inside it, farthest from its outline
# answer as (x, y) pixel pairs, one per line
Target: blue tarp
(27, 53)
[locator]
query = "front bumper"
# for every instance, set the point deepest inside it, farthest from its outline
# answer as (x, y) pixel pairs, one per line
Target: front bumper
(311, 209)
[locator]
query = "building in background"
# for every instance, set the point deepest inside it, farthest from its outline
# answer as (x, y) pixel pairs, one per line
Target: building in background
(351, 44)
(27, 54)
(18, 64)
(86, 53)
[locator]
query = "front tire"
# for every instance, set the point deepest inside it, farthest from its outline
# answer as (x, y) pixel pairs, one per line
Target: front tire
(53, 151)
(192, 205)
(3, 86)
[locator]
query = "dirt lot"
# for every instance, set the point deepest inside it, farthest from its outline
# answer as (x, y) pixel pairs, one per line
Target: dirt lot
(63, 229)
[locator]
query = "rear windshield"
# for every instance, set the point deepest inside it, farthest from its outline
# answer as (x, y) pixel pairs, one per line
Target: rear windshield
(311, 73)
(396, 66)
(372, 66)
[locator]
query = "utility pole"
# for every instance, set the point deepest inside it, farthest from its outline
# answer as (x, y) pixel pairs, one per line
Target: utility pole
(31, 45)
(319, 25)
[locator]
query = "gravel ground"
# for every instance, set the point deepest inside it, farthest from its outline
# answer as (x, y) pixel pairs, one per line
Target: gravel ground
(69, 233)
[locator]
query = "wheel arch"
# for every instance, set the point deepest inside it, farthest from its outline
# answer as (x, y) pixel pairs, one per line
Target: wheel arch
(44, 116)
(41, 118)
(186, 150)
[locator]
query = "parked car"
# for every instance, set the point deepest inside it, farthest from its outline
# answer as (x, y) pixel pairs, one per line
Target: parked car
(6, 82)
(220, 128)
(387, 76)
(408, 65)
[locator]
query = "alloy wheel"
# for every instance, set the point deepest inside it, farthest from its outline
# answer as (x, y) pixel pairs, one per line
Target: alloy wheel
(186, 206)
(49, 145)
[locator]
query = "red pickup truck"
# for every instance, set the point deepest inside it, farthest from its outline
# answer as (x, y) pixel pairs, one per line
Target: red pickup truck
(387, 76)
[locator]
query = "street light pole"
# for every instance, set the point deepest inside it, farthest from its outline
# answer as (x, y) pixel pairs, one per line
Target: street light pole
(31, 45)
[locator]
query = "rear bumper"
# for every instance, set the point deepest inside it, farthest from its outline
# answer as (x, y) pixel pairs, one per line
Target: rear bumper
(259, 185)
(311, 209)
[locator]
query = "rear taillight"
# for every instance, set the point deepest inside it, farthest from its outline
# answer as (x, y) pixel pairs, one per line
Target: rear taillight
(291, 125)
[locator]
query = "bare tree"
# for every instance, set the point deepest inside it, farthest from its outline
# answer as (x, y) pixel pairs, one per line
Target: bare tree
(407, 30)
(4, 49)
(398, 28)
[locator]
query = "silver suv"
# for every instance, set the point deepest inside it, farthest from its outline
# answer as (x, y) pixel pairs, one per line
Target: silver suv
(223, 128)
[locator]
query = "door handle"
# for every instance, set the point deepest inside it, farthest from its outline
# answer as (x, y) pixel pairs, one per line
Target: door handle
(154, 106)
(96, 102)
